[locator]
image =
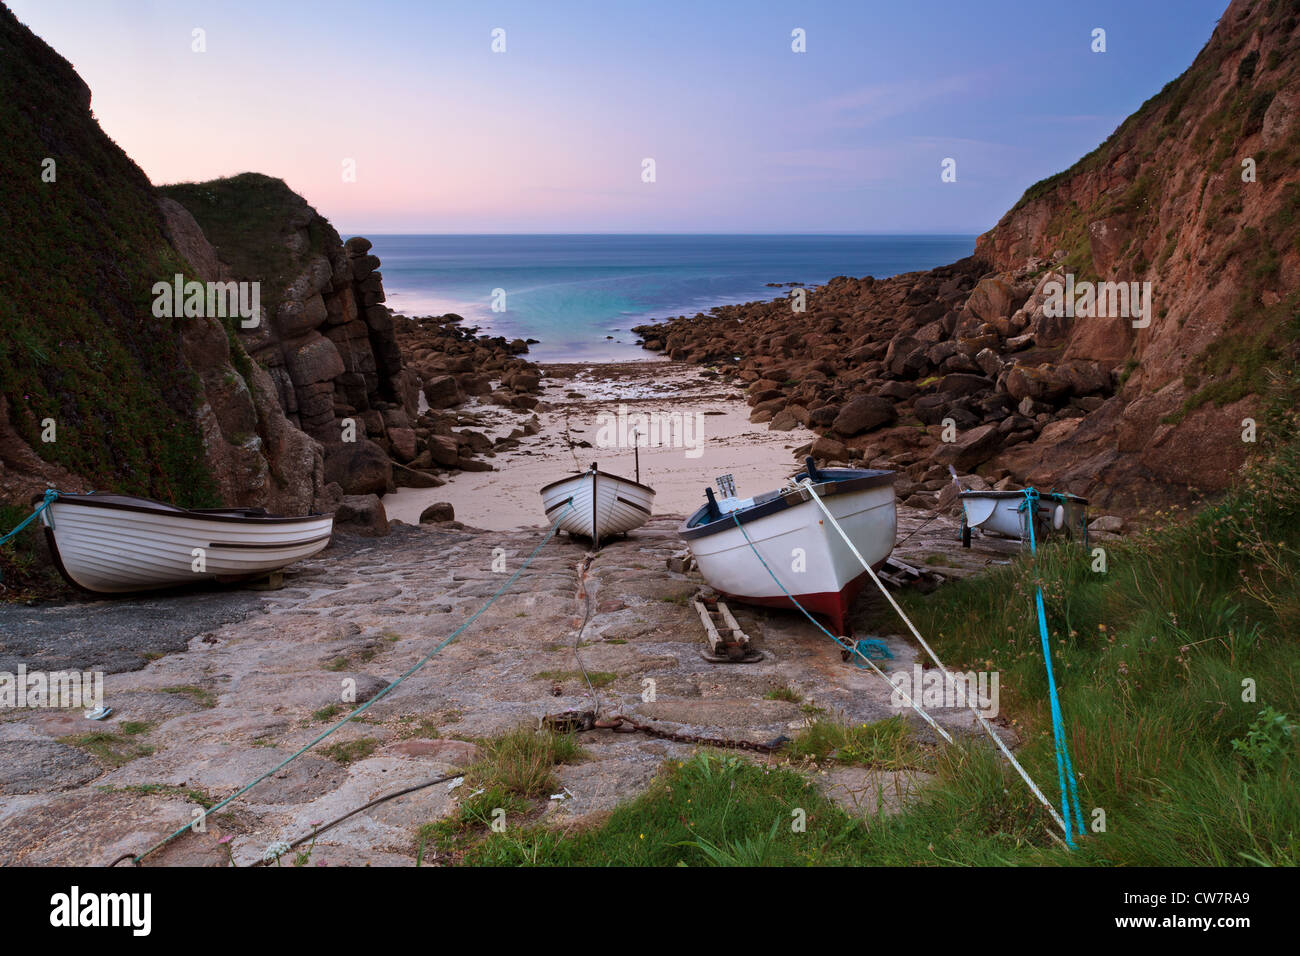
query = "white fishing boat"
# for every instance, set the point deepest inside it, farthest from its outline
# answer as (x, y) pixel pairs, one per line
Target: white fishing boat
(603, 504)
(1003, 513)
(792, 540)
(114, 544)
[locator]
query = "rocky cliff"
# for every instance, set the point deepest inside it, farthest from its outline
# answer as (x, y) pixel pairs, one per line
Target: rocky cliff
(984, 366)
(94, 390)
(302, 404)
(324, 339)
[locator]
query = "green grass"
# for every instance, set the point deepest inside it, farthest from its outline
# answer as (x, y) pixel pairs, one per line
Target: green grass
(350, 751)
(885, 745)
(113, 750)
(522, 762)
(78, 259)
(785, 693)
(25, 571)
(515, 774)
(327, 712)
(1179, 677)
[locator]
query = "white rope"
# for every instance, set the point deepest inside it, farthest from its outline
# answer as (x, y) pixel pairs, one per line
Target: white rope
(807, 485)
(843, 644)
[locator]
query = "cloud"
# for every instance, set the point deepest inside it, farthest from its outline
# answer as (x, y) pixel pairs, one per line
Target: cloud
(872, 104)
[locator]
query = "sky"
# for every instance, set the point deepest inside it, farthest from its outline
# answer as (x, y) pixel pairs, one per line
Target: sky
(444, 135)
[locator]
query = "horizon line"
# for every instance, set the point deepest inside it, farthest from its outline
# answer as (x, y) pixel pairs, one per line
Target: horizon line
(878, 235)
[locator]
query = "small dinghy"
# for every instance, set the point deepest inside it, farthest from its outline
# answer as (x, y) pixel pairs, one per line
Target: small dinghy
(114, 544)
(790, 535)
(603, 504)
(1003, 512)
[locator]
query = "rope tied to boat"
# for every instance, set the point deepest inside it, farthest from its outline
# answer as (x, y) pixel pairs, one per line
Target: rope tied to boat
(366, 706)
(807, 485)
(852, 649)
(51, 496)
(1064, 766)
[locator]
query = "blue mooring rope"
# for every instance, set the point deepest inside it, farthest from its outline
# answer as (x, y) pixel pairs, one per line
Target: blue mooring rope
(1064, 766)
(415, 667)
(875, 650)
(51, 496)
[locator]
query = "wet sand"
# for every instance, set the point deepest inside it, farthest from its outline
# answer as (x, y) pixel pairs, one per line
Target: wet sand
(711, 410)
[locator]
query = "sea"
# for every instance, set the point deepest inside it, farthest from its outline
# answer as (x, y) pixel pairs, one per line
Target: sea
(580, 295)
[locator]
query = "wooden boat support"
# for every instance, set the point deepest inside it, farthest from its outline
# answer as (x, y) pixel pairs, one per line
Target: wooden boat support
(727, 642)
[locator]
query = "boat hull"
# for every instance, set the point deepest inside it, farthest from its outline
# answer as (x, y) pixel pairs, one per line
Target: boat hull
(1001, 512)
(806, 554)
(116, 544)
(603, 504)
(994, 511)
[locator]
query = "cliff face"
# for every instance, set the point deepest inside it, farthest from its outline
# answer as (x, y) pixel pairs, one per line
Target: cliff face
(1130, 416)
(304, 404)
(1197, 194)
(324, 339)
(96, 389)
(88, 378)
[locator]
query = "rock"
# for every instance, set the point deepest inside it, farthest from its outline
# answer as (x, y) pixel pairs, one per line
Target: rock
(947, 497)
(823, 417)
(1112, 524)
(783, 421)
(989, 362)
(404, 477)
(1037, 383)
(972, 448)
(526, 380)
(864, 413)
(359, 467)
(897, 391)
(991, 299)
(960, 384)
(438, 511)
(442, 391)
(363, 514)
(402, 442)
(828, 449)
(899, 349)
(444, 449)
(1030, 408)
(316, 360)
(456, 754)
(35, 766)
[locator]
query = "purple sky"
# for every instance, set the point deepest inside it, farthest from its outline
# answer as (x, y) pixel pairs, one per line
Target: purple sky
(550, 135)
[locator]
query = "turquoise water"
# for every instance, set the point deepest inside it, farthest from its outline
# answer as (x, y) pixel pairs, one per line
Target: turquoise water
(573, 291)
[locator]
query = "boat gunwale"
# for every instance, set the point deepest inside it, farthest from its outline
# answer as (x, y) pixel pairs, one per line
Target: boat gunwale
(832, 481)
(602, 474)
(1006, 495)
(175, 511)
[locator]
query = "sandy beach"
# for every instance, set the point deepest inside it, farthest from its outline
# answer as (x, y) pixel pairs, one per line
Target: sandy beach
(577, 401)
